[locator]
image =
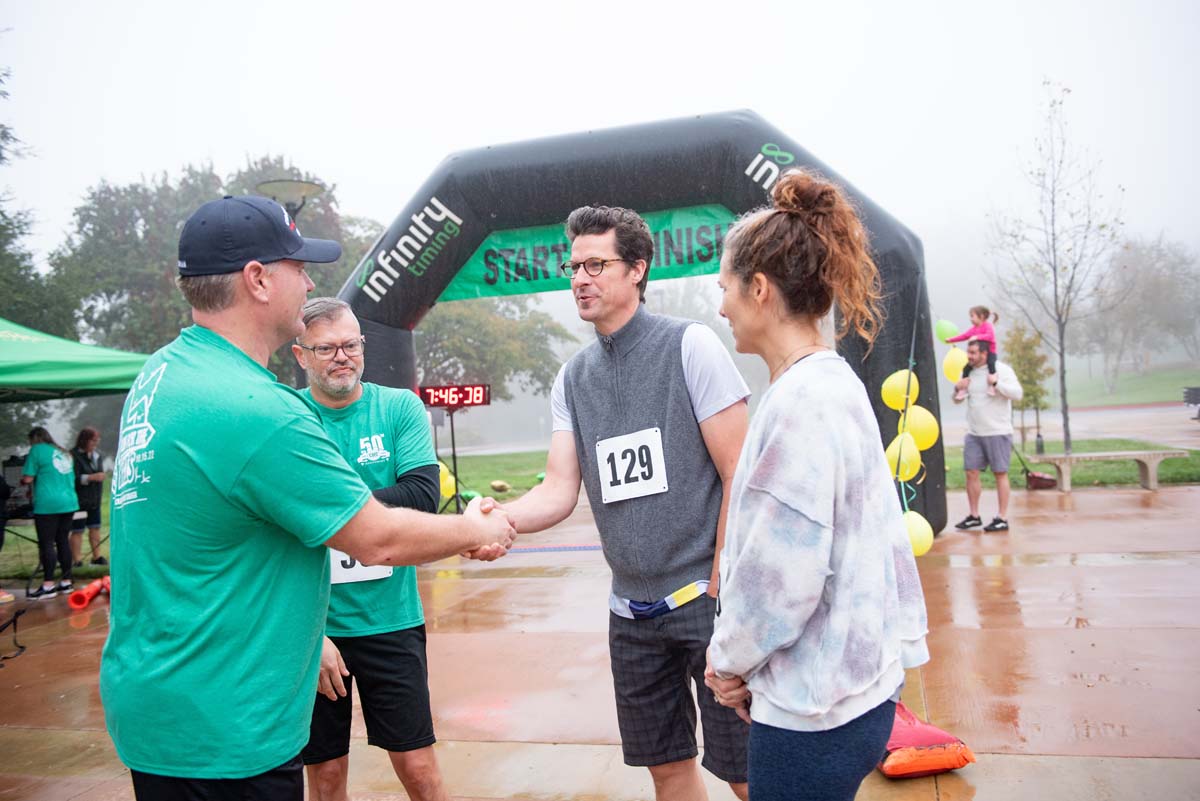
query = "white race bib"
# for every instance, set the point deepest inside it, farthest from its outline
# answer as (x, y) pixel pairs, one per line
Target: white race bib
(631, 465)
(345, 569)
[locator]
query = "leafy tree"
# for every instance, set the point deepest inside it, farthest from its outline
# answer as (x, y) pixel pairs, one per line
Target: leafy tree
(1054, 259)
(1025, 355)
(27, 297)
(123, 250)
(492, 341)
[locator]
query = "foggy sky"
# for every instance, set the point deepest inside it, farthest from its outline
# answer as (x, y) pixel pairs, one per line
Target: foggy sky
(928, 108)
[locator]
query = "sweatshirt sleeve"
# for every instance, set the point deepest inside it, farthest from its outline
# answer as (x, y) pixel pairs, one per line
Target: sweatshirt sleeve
(772, 588)
(1008, 385)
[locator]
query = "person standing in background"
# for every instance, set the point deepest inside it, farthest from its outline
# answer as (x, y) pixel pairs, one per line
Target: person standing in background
(988, 443)
(89, 487)
(51, 471)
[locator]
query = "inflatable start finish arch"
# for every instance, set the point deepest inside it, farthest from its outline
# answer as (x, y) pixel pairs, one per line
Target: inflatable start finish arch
(490, 222)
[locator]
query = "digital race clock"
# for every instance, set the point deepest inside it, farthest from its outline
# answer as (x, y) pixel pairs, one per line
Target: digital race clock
(457, 396)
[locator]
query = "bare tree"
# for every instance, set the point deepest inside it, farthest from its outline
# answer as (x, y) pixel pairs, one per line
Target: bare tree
(1149, 297)
(1053, 259)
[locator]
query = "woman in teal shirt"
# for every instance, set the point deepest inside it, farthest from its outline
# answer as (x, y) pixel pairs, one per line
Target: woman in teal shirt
(51, 471)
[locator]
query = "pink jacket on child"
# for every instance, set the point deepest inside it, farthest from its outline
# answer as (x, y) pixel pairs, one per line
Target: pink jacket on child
(982, 331)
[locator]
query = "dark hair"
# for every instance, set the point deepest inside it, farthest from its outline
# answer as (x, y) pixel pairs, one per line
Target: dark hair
(38, 435)
(984, 345)
(985, 312)
(812, 245)
(86, 435)
(634, 242)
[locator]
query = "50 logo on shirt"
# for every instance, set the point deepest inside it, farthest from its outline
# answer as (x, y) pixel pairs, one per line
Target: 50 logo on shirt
(372, 450)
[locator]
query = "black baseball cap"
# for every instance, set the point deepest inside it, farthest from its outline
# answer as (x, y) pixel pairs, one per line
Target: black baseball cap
(223, 235)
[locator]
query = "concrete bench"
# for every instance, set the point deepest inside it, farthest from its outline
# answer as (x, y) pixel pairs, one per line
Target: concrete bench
(1147, 463)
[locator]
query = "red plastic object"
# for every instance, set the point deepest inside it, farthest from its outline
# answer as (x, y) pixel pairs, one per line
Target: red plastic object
(83, 596)
(917, 748)
(107, 580)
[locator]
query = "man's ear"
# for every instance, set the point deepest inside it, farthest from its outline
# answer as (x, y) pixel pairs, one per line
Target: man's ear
(301, 356)
(640, 268)
(254, 276)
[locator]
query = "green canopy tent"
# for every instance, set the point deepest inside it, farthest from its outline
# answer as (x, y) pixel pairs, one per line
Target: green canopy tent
(36, 366)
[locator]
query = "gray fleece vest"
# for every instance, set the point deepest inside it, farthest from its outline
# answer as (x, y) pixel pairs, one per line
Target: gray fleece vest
(624, 383)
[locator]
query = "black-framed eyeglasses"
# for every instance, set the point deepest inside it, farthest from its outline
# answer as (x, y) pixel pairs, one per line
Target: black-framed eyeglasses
(352, 348)
(592, 267)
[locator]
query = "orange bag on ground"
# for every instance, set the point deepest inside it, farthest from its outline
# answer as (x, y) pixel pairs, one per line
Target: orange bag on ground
(917, 748)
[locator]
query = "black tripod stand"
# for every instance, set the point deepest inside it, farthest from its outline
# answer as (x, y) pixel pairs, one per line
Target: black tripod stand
(458, 499)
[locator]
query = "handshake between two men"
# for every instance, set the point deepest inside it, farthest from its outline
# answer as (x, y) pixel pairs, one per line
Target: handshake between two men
(491, 514)
(383, 535)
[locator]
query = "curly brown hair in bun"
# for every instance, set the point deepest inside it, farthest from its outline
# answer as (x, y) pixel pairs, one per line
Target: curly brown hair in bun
(811, 244)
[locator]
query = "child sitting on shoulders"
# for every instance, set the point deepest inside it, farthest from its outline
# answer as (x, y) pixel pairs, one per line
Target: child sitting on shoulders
(982, 329)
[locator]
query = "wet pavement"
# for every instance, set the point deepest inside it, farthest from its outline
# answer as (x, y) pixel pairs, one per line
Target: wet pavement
(1064, 653)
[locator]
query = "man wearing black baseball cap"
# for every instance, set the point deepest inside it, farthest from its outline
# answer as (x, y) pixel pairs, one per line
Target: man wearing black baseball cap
(224, 491)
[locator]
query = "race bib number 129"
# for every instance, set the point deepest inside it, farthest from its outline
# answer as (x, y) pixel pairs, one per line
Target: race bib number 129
(631, 465)
(344, 569)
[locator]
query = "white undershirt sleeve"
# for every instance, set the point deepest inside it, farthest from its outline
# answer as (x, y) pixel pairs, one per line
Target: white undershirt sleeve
(560, 415)
(713, 381)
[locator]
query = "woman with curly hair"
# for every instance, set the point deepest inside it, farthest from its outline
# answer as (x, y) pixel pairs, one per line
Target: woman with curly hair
(821, 607)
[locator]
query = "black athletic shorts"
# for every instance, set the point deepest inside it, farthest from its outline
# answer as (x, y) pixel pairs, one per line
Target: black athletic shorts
(393, 685)
(284, 783)
(655, 663)
(92, 521)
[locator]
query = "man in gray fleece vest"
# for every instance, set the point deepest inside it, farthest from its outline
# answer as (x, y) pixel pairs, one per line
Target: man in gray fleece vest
(650, 418)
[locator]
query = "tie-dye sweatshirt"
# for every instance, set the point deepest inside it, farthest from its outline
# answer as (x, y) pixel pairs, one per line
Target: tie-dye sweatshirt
(821, 606)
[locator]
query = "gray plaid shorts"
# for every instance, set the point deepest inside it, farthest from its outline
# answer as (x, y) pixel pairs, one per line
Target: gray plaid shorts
(654, 665)
(983, 452)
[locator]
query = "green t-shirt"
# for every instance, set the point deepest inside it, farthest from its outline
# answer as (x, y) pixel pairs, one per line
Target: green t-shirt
(382, 435)
(225, 488)
(54, 479)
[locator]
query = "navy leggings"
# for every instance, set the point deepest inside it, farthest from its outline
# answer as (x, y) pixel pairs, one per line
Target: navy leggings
(54, 543)
(817, 765)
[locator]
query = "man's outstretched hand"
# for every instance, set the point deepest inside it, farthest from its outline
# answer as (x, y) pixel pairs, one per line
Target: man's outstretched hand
(488, 510)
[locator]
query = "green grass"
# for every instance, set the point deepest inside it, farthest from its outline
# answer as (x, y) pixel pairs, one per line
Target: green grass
(1164, 384)
(519, 470)
(1084, 474)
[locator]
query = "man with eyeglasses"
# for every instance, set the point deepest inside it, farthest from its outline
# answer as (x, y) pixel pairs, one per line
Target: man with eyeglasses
(226, 493)
(375, 629)
(650, 418)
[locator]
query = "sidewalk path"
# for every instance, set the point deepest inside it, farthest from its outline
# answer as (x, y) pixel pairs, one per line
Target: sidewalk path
(1064, 653)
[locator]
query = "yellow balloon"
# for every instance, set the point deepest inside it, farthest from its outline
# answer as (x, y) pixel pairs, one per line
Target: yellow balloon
(448, 485)
(921, 423)
(953, 364)
(903, 457)
(920, 533)
(894, 387)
